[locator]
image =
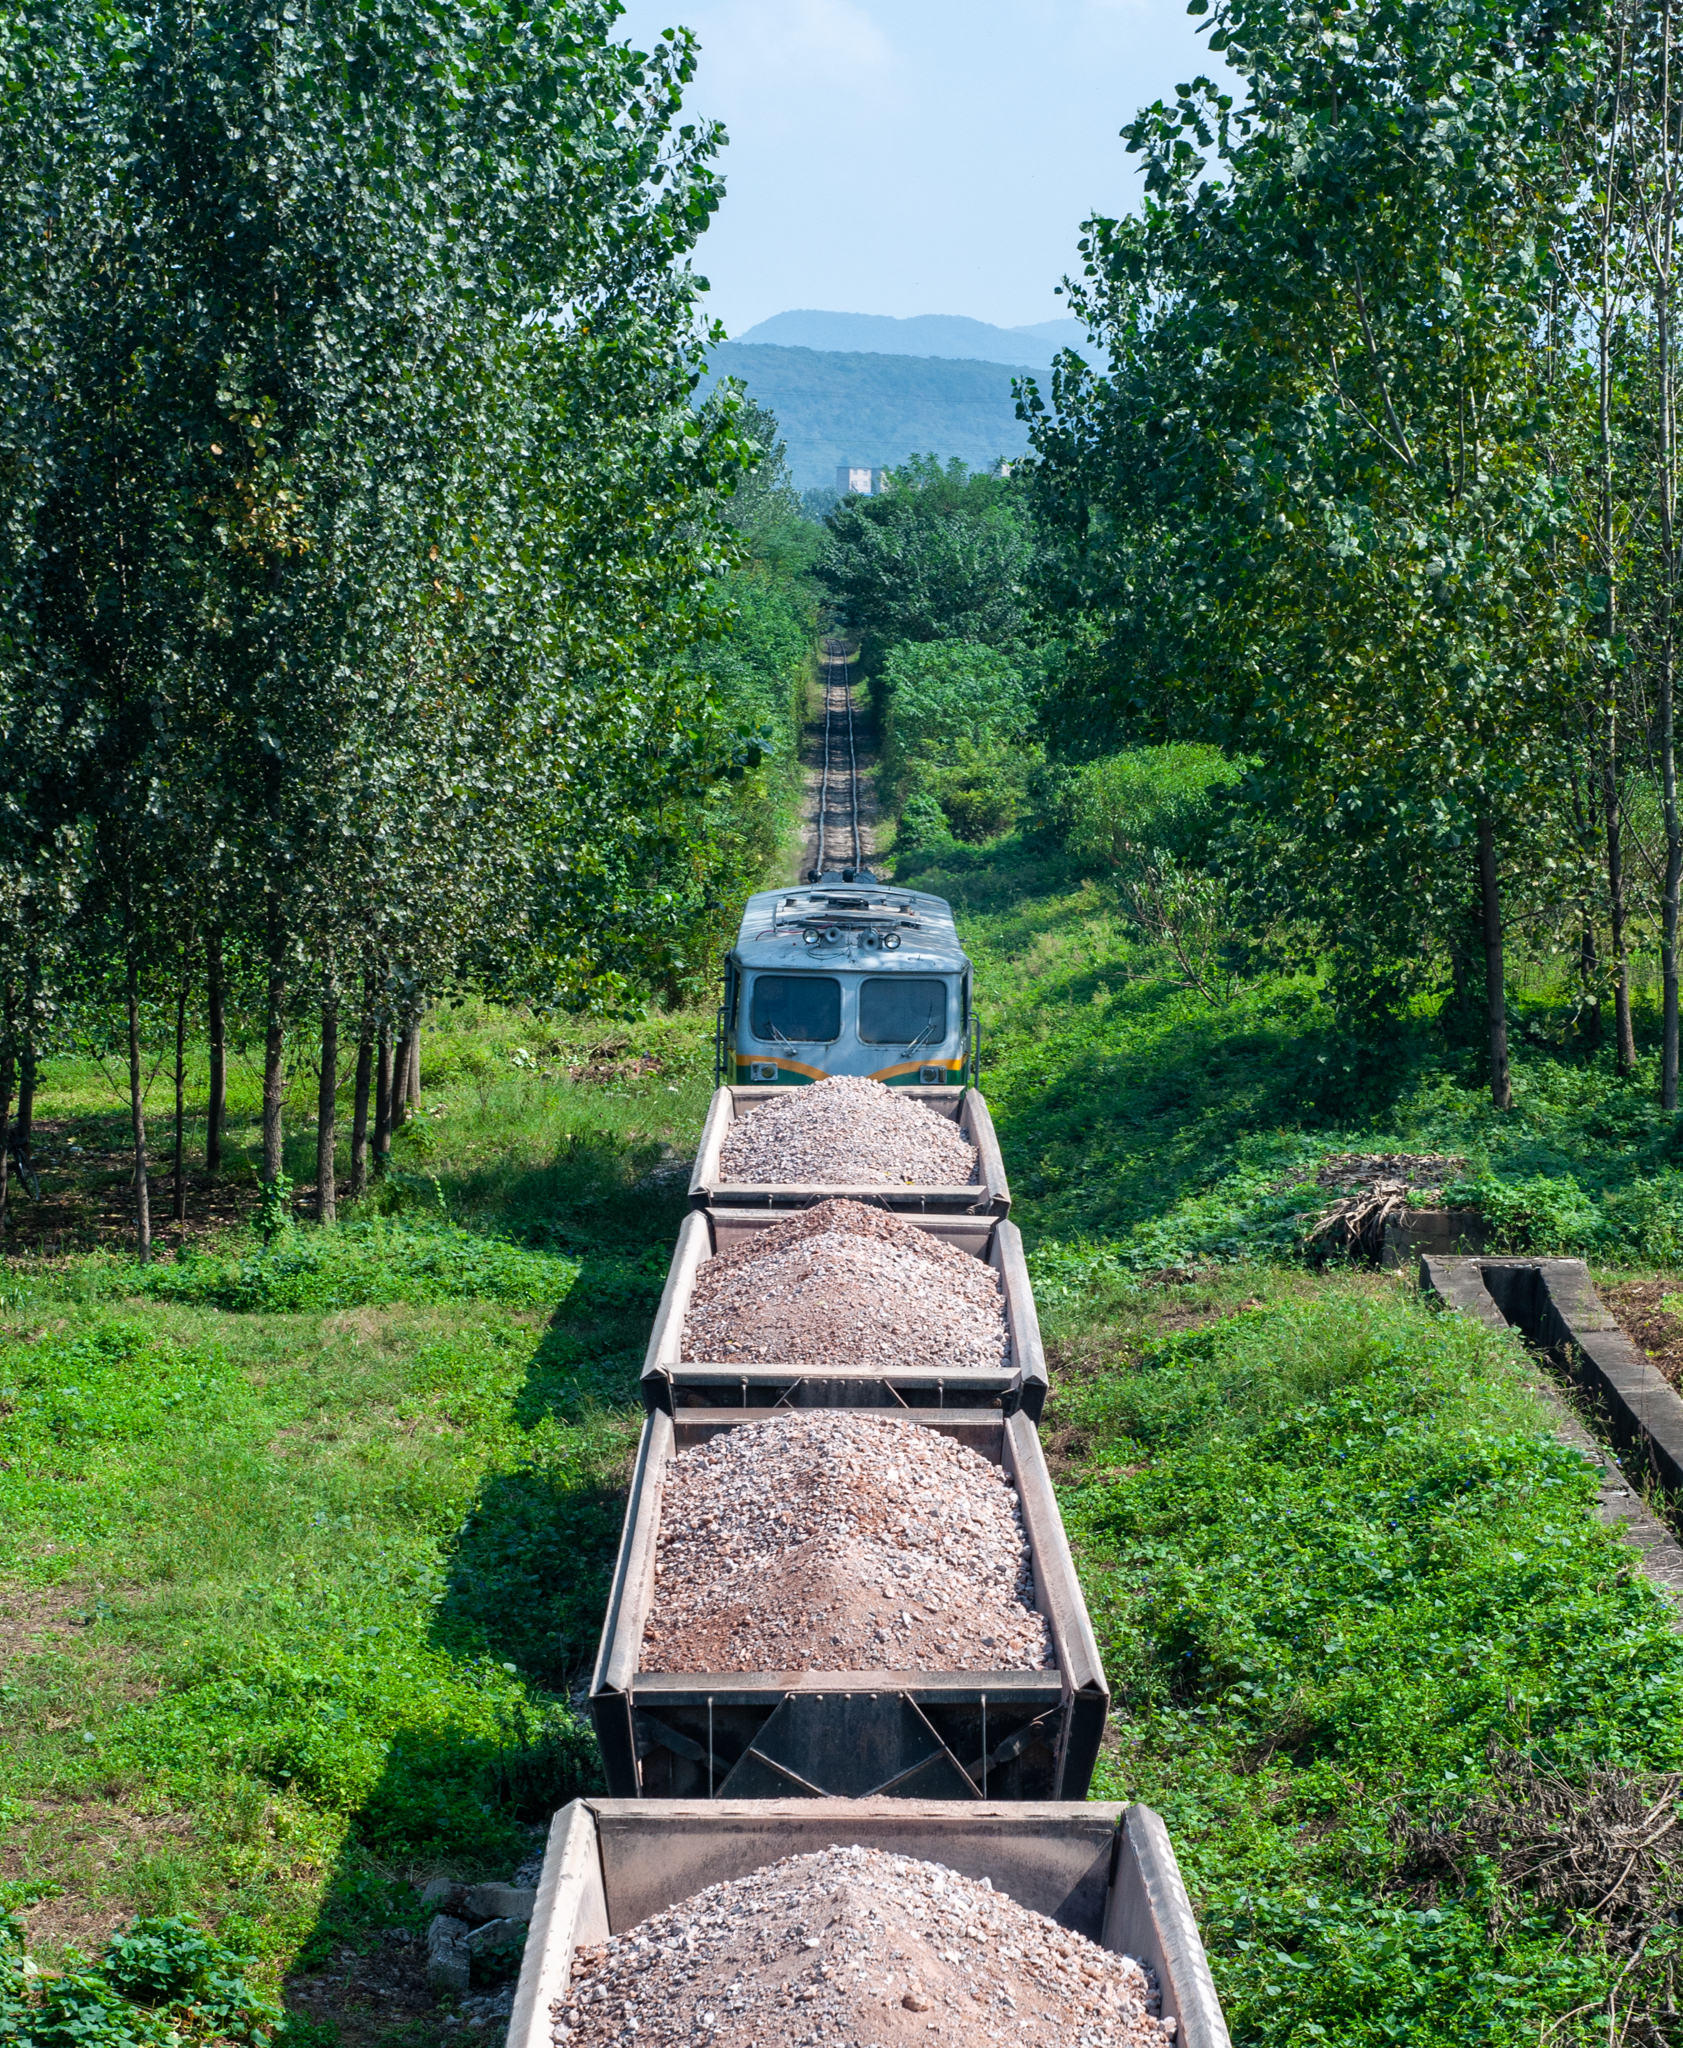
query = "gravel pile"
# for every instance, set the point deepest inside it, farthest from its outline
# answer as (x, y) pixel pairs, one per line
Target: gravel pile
(847, 1132)
(832, 1542)
(843, 1285)
(856, 1946)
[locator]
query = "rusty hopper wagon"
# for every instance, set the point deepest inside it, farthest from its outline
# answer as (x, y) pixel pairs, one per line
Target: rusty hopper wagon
(1101, 1871)
(672, 1382)
(987, 1195)
(912, 1734)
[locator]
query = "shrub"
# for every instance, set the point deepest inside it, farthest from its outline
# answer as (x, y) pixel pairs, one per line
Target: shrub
(922, 821)
(957, 726)
(161, 1982)
(1149, 799)
(946, 691)
(359, 1264)
(981, 795)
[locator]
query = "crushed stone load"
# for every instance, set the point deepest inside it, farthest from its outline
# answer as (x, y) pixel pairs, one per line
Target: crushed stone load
(846, 1131)
(823, 1541)
(854, 1946)
(841, 1284)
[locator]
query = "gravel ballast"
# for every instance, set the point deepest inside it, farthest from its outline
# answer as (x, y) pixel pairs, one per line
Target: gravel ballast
(846, 1131)
(841, 1284)
(831, 1542)
(853, 1946)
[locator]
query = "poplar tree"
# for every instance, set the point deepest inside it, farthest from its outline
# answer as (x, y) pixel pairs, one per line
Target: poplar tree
(355, 516)
(1305, 492)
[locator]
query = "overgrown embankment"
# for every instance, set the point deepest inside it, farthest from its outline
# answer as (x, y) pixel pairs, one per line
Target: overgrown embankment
(306, 1545)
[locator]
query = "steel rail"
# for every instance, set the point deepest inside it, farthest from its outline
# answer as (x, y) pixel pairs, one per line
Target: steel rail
(824, 785)
(852, 768)
(833, 661)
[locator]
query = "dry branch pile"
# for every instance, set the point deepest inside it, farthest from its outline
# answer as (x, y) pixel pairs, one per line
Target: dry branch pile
(1605, 1854)
(1372, 1189)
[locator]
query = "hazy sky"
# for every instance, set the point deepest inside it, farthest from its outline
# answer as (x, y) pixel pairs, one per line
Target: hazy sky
(930, 156)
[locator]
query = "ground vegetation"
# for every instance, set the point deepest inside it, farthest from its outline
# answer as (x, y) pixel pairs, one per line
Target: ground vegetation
(307, 1538)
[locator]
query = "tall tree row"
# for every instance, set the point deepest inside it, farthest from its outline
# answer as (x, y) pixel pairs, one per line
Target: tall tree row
(1377, 481)
(354, 522)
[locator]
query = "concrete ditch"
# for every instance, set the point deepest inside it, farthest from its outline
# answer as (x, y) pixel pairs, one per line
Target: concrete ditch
(1552, 1303)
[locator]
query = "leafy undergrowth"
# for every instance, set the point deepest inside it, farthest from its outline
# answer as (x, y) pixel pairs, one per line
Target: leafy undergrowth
(162, 1983)
(1340, 1572)
(380, 1260)
(304, 1550)
(1157, 1129)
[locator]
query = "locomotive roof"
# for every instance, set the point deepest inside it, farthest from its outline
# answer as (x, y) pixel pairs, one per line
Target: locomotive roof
(776, 921)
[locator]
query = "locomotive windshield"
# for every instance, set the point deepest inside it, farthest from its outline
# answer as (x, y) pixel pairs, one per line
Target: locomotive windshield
(801, 1008)
(899, 1009)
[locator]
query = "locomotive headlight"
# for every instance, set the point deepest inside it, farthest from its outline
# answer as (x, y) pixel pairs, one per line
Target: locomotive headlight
(812, 938)
(891, 940)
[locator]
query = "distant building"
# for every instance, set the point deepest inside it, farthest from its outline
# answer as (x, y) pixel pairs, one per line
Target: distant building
(856, 481)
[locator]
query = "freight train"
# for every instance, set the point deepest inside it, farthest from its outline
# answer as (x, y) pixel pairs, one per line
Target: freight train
(716, 1773)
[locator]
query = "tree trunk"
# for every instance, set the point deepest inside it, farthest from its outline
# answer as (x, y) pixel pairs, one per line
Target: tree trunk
(1495, 997)
(1463, 952)
(364, 1077)
(400, 1078)
(1624, 1032)
(1673, 873)
(274, 1056)
(383, 1096)
(1662, 246)
(23, 1138)
(327, 1108)
(178, 1176)
(137, 1119)
(1608, 315)
(6, 1068)
(216, 1115)
(1589, 976)
(415, 1065)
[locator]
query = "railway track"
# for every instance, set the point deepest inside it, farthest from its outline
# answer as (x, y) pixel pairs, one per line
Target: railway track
(840, 842)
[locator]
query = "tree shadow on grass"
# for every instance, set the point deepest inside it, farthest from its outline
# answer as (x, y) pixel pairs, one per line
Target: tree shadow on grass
(596, 1193)
(526, 1582)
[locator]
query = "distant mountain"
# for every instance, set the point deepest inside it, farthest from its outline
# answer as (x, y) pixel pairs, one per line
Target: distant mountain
(865, 407)
(1065, 333)
(929, 334)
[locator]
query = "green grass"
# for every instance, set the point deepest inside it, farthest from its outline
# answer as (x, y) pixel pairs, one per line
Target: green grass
(361, 1263)
(1162, 1131)
(1338, 1568)
(303, 1545)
